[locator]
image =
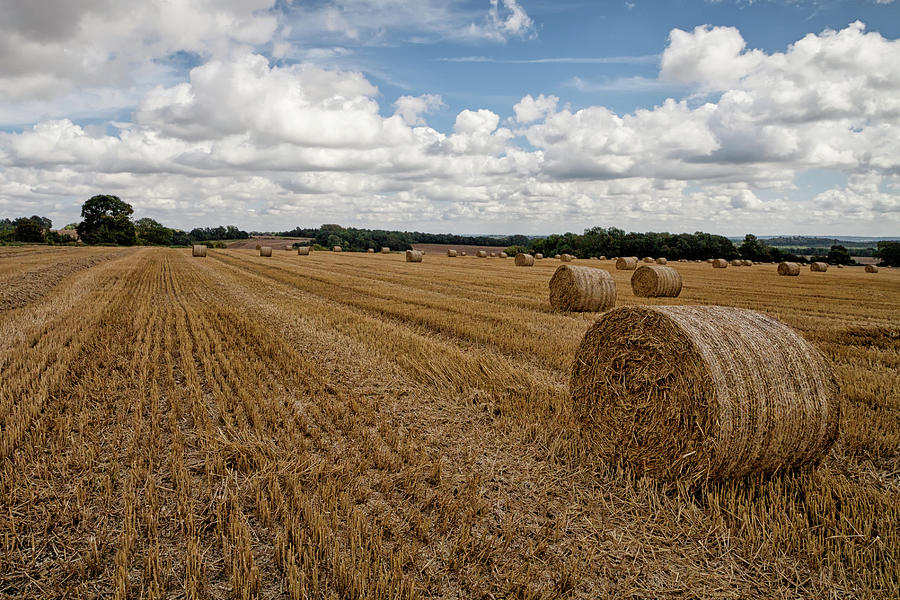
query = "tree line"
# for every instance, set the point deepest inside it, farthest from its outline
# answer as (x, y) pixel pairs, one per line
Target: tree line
(360, 240)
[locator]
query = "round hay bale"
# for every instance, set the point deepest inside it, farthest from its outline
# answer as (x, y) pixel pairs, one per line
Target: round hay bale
(747, 263)
(481, 254)
(703, 392)
(818, 267)
(463, 253)
(661, 261)
(413, 256)
(655, 281)
(871, 269)
(493, 255)
(370, 251)
(647, 259)
(265, 250)
(524, 260)
(385, 250)
(626, 263)
(737, 263)
(720, 263)
(582, 289)
(303, 250)
(336, 249)
(840, 266)
(451, 253)
(790, 269)
(198, 250)
(503, 255)
(566, 257)
(556, 256)
(602, 258)
(538, 256)
(709, 260)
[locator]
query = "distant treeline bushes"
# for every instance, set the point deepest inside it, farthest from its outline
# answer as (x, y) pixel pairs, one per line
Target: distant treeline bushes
(360, 240)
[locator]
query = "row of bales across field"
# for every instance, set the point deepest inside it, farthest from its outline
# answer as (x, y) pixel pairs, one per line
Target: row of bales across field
(657, 387)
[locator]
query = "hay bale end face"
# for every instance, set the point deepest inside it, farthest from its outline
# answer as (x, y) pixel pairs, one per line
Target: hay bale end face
(818, 267)
(538, 256)
(656, 281)
(451, 253)
(524, 260)
(481, 254)
(871, 269)
(788, 269)
(657, 388)
(303, 250)
(582, 289)
(720, 263)
(265, 250)
(198, 250)
(413, 256)
(626, 263)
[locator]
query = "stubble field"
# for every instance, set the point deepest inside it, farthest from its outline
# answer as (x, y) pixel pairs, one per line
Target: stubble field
(354, 426)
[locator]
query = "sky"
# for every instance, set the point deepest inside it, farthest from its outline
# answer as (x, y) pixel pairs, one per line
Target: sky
(475, 116)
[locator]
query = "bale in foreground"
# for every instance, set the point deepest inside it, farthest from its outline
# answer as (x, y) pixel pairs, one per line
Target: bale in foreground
(198, 250)
(790, 269)
(302, 250)
(524, 260)
(413, 256)
(654, 281)
(626, 263)
(657, 387)
(582, 289)
(265, 250)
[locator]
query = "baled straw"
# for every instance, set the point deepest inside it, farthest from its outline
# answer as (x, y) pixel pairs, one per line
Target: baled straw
(481, 254)
(303, 250)
(463, 253)
(265, 250)
(371, 251)
(336, 249)
(737, 263)
(198, 250)
(661, 261)
(747, 263)
(524, 260)
(538, 256)
(790, 269)
(647, 259)
(655, 281)
(503, 255)
(582, 289)
(720, 263)
(566, 257)
(451, 253)
(493, 255)
(818, 267)
(626, 263)
(703, 392)
(556, 256)
(413, 256)
(871, 269)
(602, 258)
(385, 250)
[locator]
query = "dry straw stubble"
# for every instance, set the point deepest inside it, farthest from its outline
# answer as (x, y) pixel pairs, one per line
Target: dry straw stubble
(658, 388)
(524, 260)
(788, 269)
(198, 250)
(654, 281)
(626, 263)
(582, 289)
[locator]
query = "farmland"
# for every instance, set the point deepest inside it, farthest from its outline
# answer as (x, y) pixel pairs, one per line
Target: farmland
(354, 426)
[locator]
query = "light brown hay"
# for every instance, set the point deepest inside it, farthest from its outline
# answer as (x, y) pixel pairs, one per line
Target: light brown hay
(818, 267)
(336, 249)
(451, 253)
(303, 251)
(258, 246)
(871, 269)
(647, 259)
(582, 289)
(654, 281)
(720, 263)
(385, 250)
(503, 255)
(538, 256)
(788, 269)
(840, 266)
(493, 255)
(661, 261)
(198, 250)
(481, 254)
(265, 250)
(747, 263)
(463, 253)
(737, 263)
(566, 257)
(626, 263)
(602, 258)
(703, 392)
(413, 256)
(371, 251)
(556, 256)
(524, 260)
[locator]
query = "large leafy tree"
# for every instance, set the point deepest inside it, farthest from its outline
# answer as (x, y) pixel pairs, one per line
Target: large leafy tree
(30, 230)
(152, 233)
(106, 221)
(889, 253)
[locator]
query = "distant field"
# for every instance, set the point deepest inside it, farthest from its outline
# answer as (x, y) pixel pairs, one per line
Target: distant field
(354, 426)
(441, 249)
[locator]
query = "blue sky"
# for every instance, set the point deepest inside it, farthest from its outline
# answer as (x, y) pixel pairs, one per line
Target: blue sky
(508, 116)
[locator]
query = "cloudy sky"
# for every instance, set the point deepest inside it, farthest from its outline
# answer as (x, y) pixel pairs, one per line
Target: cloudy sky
(475, 116)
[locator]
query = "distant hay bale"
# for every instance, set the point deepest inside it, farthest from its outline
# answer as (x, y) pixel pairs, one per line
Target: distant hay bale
(198, 250)
(265, 250)
(790, 269)
(493, 255)
(336, 249)
(626, 263)
(710, 260)
(538, 256)
(840, 266)
(703, 392)
(524, 260)
(656, 281)
(385, 250)
(303, 250)
(720, 263)
(661, 261)
(481, 254)
(737, 263)
(602, 258)
(818, 267)
(503, 255)
(747, 263)
(871, 269)
(582, 289)
(647, 259)
(566, 257)
(463, 253)
(413, 256)
(451, 253)
(371, 251)
(557, 256)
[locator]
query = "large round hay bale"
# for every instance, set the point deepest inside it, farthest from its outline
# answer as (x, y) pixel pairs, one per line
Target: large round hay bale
(871, 269)
(647, 259)
(818, 267)
(566, 257)
(451, 253)
(626, 263)
(703, 392)
(385, 250)
(524, 260)
(336, 249)
(413, 256)
(371, 251)
(661, 261)
(655, 281)
(265, 250)
(582, 289)
(720, 263)
(481, 254)
(303, 250)
(737, 263)
(746, 263)
(538, 256)
(789, 269)
(198, 250)
(503, 255)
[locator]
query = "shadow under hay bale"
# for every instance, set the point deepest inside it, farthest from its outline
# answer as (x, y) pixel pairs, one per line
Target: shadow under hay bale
(788, 269)
(658, 388)
(582, 289)
(198, 250)
(655, 281)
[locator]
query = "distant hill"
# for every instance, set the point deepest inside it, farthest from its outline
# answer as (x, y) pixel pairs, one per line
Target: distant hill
(802, 241)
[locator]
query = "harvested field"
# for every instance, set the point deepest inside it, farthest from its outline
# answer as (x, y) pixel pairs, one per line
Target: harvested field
(351, 427)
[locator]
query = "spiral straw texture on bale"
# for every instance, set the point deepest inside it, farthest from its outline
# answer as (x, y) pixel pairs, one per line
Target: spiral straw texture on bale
(303, 250)
(451, 253)
(720, 263)
(790, 269)
(582, 289)
(818, 267)
(413, 256)
(626, 263)
(265, 250)
(655, 281)
(524, 260)
(198, 250)
(703, 392)
(871, 269)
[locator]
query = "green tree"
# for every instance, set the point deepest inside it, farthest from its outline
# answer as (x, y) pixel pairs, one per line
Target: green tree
(751, 249)
(106, 221)
(29, 230)
(838, 255)
(152, 233)
(889, 253)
